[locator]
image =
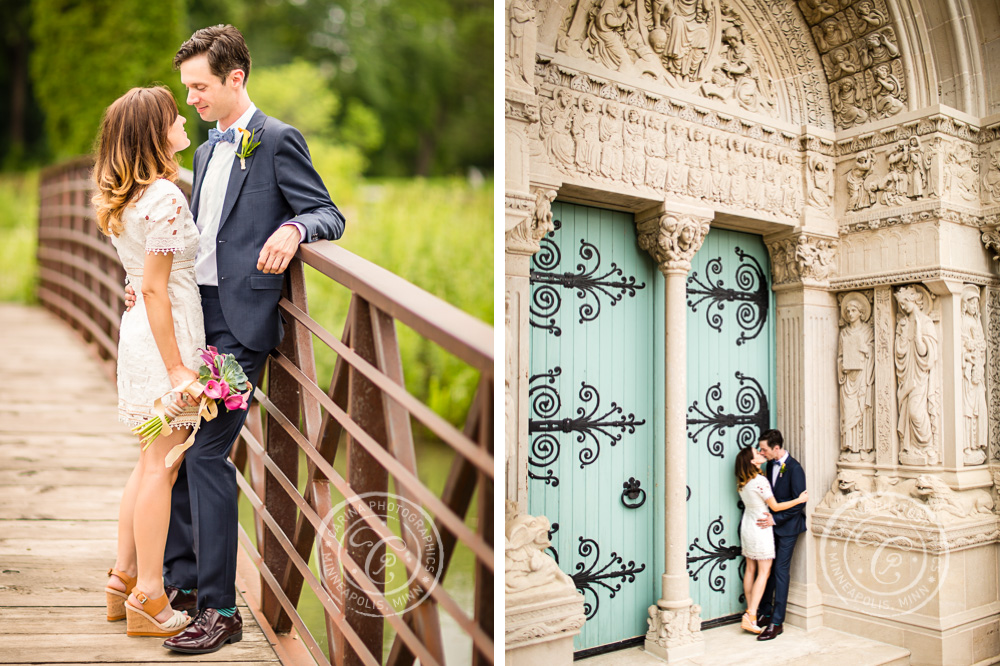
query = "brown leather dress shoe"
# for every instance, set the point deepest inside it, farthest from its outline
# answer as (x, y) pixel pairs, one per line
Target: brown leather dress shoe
(772, 631)
(178, 600)
(208, 633)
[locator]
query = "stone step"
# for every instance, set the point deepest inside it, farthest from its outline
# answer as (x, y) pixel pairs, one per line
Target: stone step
(730, 645)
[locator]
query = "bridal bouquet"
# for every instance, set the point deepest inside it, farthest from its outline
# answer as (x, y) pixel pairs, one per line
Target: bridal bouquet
(220, 379)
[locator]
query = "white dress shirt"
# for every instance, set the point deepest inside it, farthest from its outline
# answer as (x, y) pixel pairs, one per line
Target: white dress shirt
(777, 468)
(211, 198)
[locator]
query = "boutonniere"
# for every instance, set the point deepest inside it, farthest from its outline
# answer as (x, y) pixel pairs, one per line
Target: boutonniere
(247, 146)
(781, 472)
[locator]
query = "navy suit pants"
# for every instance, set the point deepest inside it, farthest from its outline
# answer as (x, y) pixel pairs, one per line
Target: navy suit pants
(777, 582)
(204, 510)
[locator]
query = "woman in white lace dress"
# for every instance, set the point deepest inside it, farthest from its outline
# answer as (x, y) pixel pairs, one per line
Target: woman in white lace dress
(757, 542)
(147, 217)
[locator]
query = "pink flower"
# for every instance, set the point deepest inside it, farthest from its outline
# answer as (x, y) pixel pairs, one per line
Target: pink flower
(236, 401)
(213, 389)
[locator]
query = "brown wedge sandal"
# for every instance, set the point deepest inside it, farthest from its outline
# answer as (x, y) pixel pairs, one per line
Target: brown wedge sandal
(142, 621)
(116, 598)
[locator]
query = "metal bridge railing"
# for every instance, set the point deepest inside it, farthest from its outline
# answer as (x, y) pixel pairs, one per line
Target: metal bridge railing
(364, 419)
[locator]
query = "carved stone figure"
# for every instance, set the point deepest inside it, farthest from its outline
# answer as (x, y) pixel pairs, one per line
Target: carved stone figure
(815, 257)
(856, 375)
(974, 379)
(906, 177)
(521, 47)
(830, 34)
(962, 173)
(607, 35)
(866, 12)
(611, 130)
(670, 628)
(841, 63)
(887, 92)
(681, 26)
(846, 103)
(755, 173)
(656, 151)
(555, 131)
(791, 202)
(698, 160)
(817, 10)
(672, 239)
(820, 182)
(848, 485)
(634, 154)
(878, 48)
(917, 356)
(527, 567)
(859, 194)
(677, 159)
(719, 166)
(992, 180)
(586, 133)
(947, 504)
(739, 76)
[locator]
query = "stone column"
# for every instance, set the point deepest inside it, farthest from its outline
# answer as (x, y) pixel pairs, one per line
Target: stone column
(672, 234)
(807, 402)
(544, 610)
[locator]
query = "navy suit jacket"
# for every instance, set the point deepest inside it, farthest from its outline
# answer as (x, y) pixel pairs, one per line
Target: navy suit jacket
(279, 185)
(789, 486)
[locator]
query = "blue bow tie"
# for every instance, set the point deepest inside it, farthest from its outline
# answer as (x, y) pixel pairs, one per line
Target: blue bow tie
(215, 136)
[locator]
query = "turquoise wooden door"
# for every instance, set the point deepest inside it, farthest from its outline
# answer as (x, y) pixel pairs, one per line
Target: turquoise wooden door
(595, 424)
(731, 380)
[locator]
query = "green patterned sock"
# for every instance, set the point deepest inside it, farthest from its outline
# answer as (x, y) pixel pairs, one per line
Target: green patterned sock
(227, 612)
(188, 591)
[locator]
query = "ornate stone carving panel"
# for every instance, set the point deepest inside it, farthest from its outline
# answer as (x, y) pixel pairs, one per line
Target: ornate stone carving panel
(885, 378)
(993, 363)
(856, 377)
(917, 352)
(974, 411)
(804, 258)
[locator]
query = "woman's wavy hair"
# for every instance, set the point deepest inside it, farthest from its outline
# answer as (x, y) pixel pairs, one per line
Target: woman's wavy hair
(132, 152)
(745, 469)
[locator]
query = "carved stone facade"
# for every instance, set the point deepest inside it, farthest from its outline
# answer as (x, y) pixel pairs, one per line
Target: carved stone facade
(850, 134)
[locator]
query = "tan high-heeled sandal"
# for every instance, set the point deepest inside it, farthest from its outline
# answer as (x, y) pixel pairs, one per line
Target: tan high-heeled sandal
(142, 621)
(749, 623)
(116, 598)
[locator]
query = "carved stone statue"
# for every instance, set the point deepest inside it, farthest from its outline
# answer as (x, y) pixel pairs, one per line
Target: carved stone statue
(681, 27)
(974, 379)
(634, 154)
(878, 48)
(866, 11)
(677, 159)
(611, 129)
(521, 47)
(527, 567)
(555, 131)
(607, 35)
(856, 375)
(859, 194)
(739, 77)
(586, 133)
(847, 104)
(917, 358)
(887, 92)
(820, 182)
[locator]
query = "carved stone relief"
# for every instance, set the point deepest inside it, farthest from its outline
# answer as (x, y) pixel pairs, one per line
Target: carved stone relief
(991, 179)
(672, 240)
(918, 393)
(885, 377)
(521, 38)
(699, 45)
(604, 141)
(806, 258)
(525, 237)
(856, 376)
(861, 57)
(671, 628)
(893, 177)
(975, 442)
(993, 361)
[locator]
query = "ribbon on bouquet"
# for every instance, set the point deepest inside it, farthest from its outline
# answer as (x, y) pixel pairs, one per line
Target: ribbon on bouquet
(207, 410)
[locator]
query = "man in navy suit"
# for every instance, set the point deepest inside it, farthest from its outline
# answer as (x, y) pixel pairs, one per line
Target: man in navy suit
(252, 212)
(788, 481)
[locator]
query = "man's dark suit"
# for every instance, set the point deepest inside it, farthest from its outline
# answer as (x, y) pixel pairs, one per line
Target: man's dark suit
(788, 525)
(241, 318)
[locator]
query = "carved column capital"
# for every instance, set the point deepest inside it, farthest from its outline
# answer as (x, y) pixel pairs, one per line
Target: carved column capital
(530, 218)
(991, 239)
(672, 238)
(809, 259)
(542, 602)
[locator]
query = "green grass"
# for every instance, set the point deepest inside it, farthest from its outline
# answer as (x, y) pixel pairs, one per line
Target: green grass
(18, 236)
(437, 234)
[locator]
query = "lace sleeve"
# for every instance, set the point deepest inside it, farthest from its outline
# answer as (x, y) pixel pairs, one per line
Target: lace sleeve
(161, 217)
(763, 487)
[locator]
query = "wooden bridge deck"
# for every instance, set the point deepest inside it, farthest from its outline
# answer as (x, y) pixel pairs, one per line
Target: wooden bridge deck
(64, 460)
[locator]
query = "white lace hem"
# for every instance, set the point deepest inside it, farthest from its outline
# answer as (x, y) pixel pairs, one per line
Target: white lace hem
(757, 555)
(133, 416)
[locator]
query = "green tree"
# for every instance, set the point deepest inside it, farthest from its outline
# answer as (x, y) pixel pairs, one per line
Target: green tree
(87, 54)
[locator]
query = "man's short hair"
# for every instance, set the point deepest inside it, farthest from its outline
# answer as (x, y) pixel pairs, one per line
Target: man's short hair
(772, 437)
(225, 47)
